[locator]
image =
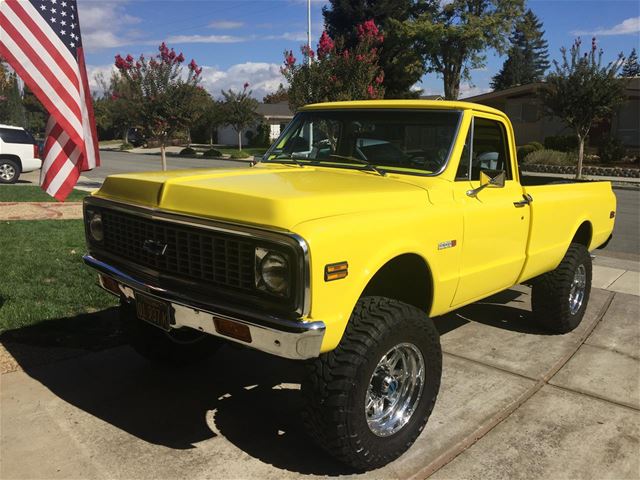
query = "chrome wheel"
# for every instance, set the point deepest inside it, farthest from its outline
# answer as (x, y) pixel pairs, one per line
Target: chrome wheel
(395, 389)
(576, 294)
(7, 172)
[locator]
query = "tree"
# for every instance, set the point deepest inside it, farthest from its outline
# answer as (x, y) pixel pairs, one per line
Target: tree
(401, 63)
(166, 95)
(582, 91)
(336, 73)
(528, 56)
(11, 108)
(240, 110)
(280, 95)
(453, 36)
(631, 67)
(120, 106)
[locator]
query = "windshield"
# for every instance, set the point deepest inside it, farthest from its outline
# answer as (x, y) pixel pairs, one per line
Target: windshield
(407, 141)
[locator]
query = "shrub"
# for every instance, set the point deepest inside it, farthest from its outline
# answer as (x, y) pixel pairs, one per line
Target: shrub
(239, 154)
(212, 152)
(561, 143)
(187, 152)
(126, 146)
(525, 150)
(536, 145)
(550, 157)
(261, 138)
(610, 150)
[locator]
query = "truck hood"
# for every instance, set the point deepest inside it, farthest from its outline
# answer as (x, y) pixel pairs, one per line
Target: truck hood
(269, 195)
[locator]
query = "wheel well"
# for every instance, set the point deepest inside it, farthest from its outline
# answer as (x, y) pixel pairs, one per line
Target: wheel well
(583, 235)
(406, 278)
(15, 158)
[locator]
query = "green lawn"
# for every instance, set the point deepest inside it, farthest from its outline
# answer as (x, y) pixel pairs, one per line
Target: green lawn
(33, 193)
(44, 282)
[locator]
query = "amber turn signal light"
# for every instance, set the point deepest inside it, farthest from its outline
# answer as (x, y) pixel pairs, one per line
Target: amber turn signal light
(110, 284)
(231, 329)
(336, 271)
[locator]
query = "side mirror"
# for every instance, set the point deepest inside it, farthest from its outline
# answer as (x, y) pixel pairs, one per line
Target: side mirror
(489, 178)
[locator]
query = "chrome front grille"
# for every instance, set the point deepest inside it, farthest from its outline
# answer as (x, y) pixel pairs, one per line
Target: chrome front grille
(197, 254)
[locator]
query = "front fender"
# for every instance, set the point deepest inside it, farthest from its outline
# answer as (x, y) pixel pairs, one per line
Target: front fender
(367, 241)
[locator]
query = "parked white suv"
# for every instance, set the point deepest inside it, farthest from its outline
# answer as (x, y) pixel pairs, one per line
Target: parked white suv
(18, 153)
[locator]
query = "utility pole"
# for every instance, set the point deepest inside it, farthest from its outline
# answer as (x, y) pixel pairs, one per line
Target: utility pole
(309, 29)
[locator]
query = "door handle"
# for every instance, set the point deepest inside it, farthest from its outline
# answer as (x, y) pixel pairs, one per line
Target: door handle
(526, 200)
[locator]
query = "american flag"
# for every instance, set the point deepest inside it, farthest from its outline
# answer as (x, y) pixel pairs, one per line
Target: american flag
(40, 39)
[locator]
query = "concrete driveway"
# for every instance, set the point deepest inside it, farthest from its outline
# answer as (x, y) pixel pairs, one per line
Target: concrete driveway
(515, 403)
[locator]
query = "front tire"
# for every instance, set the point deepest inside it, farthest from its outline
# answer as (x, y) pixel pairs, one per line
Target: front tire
(559, 298)
(9, 171)
(181, 347)
(368, 400)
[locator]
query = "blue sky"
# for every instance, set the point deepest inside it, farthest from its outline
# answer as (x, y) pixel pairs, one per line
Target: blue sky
(243, 40)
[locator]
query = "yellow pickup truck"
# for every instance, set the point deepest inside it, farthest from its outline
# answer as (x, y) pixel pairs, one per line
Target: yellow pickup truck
(361, 223)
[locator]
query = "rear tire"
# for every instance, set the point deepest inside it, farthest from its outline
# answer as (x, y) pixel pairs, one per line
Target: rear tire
(9, 171)
(180, 347)
(356, 394)
(559, 298)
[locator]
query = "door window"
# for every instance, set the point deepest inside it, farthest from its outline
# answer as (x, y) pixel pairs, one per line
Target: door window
(489, 150)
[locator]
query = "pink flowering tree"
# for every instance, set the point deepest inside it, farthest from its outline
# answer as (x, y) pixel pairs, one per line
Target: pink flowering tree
(166, 94)
(334, 73)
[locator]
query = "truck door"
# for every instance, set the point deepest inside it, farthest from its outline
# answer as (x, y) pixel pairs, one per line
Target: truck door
(496, 220)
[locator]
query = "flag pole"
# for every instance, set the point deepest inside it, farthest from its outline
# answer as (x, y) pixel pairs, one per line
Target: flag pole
(309, 29)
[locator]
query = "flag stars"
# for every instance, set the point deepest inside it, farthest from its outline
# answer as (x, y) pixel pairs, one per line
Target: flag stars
(63, 32)
(53, 20)
(53, 10)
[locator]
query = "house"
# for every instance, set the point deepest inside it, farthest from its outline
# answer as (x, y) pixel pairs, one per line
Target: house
(276, 115)
(524, 109)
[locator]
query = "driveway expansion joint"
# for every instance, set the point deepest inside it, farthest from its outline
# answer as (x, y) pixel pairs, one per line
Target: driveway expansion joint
(502, 415)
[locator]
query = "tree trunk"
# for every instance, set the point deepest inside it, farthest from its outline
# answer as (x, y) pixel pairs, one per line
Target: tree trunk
(580, 155)
(163, 156)
(239, 140)
(125, 135)
(451, 85)
(211, 137)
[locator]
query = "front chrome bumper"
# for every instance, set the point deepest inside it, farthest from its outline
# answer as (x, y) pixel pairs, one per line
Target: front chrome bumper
(296, 340)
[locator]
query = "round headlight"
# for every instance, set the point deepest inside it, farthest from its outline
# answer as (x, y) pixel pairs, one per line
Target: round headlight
(95, 227)
(274, 271)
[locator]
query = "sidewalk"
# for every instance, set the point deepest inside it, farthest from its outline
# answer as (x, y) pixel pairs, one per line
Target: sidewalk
(515, 403)
(40, 210)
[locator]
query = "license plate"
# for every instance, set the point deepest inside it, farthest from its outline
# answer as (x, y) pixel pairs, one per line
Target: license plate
(154, 311)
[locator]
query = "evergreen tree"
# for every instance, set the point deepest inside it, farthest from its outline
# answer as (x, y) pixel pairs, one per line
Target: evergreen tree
(631, 67)
(401, 63)
(528, 56)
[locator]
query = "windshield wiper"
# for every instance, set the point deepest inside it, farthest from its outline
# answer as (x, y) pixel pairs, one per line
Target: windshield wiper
(287, 156)
(368, 166)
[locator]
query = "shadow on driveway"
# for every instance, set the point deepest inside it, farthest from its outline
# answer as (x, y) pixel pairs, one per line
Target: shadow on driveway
(250, 399)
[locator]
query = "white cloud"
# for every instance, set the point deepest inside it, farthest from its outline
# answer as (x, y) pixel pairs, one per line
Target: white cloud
(225, 24)
(467, 90)
(629, 26)
(106, 25)
(94, 70)
(263, 78)
(205, 39)
(291, 36)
